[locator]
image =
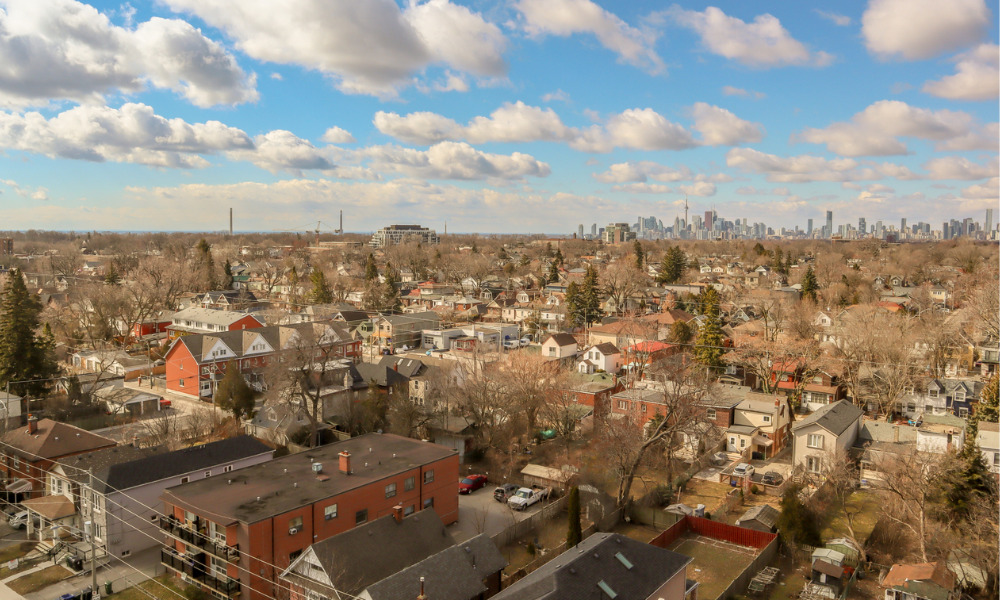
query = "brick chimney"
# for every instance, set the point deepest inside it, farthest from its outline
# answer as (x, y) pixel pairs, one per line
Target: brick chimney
(345, 462)
(32, 424)
(397, 512)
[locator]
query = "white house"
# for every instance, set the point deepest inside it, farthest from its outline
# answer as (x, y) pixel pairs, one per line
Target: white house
(559, 345)
(988, 439)
(825, 435)
(602, 357)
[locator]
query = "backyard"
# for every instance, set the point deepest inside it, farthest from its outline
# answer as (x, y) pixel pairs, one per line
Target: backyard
(716, 563)
(164, 586)
(39, 579)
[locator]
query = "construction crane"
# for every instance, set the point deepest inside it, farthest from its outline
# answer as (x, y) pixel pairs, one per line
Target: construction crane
(320, 227)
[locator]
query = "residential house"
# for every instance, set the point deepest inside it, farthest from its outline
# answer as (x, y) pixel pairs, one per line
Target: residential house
(665, 321)
(988, 440)
(825, 436)
(817, 389)
(356, 563)
(638, 405)
(595, 394)
(30, 451)
(275, 510)
(238, 300)
(406, 330)
(10, 411)
(940, 397)
(762, 423)
(559, 345)
(196, 363)
(940, 433)
(118, 505)
(989, 357)
(608, 565)
(923, 581)
(622, 333)
(197, 320)
(603, 357)
(113, 362)
(120, 400)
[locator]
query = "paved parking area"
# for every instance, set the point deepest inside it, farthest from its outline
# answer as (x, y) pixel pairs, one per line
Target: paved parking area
(479, 513)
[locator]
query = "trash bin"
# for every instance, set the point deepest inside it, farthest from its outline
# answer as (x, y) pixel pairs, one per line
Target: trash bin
(86, 594)
(107, 588)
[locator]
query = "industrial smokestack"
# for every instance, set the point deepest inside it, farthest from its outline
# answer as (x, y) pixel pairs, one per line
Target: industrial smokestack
(230, 221)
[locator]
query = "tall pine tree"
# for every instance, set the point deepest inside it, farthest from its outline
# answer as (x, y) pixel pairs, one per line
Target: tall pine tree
(708, 345)
(590, 296)
(371, 269)
(574, 531)
(24, 354)
(673, 266)
(574, 312)
(321, 292)
(809, 284)
(640, 256)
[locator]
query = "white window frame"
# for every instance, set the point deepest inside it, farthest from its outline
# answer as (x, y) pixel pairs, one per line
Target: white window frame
(710, 414)
(329, 514)
(816, 440)
(814, 464)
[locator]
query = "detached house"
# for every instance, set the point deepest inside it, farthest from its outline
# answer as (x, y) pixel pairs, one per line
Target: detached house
(603, 357)
(197, 320)
(559, 345)
(925, 581)
(761, 424)
(940, 397)
(825, 436)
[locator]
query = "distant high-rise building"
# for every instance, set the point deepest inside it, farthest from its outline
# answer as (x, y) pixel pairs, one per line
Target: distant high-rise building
(989, 220)
(862, 226)
(709, 219)
(397, 234)
(902, 224)
(593, 230)
(581, 231)
(946, 230)
(809, 227)
(829, 223)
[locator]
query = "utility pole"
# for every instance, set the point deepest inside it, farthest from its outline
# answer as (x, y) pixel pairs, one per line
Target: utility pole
(96, 593)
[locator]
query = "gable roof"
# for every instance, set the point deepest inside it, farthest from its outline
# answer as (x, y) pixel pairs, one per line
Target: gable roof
(210, 316)
(561, 339)
(607, 349)
(835, 418)
(763, 513)
(603, 561)
(929, 580)
(54, 440)
(276, 336)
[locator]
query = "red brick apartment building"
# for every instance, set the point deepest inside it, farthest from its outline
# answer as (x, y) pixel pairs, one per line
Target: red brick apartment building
(234, 534)
(196, 363)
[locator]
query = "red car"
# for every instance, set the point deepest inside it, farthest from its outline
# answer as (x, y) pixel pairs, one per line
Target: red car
(471, 484)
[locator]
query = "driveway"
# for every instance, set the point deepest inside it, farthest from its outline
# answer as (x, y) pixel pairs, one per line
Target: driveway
(479, 513)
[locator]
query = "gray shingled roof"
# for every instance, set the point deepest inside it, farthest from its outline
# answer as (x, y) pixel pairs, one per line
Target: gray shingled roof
(576, 573)
(835, 418)
(762, 513)
(561, 339)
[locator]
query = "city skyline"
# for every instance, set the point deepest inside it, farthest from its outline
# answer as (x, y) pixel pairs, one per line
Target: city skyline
(514, 117)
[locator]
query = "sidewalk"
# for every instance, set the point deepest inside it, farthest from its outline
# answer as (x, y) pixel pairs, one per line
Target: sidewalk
(119, 574)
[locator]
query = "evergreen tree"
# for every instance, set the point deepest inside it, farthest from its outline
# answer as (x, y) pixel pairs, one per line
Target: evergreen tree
(553, 276)
(809, 284)
(475, 248)
(558, 257)
(233, 393)
(548, 250)
(371, 269)
(708, 346)
(796, 522)
(206, 264)
(673, 266)
(321, 292)
(640, 256)
(502, 254)
(227, 276)
(24, 355)
(989, 400)
(759, 250)
(680, 333)
(590, 296)
(574, 531)
(390, 293)
(574, 311)
(778, 263)
(112, 277)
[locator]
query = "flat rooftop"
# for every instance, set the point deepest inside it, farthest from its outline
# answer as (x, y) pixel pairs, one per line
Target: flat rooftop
(269, 489)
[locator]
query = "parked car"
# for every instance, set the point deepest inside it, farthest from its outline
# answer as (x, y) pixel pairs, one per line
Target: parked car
(471, 483)
(525, 497)
(743, 470)
(720, 458)
(510, 344)
(164, 403)
(503, 492)
(525, 341)
(19, 520)
(772, 478)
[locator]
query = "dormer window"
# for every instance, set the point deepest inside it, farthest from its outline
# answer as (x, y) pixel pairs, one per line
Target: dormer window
(959, 396)
(932, 392)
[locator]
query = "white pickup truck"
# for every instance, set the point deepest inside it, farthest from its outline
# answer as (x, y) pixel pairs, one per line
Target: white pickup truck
(525, 497)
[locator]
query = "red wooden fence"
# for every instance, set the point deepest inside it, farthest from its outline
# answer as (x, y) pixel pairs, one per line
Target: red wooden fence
(715, 530)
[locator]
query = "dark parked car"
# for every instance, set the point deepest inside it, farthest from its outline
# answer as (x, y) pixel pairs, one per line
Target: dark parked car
(471, 484)
(505, 491)
(772, 478)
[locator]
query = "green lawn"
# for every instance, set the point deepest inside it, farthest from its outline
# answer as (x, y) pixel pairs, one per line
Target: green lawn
(715, 565)
(33, 582)
(866, 507)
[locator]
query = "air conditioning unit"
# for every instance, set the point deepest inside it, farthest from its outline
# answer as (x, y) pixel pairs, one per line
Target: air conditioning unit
(292, 530)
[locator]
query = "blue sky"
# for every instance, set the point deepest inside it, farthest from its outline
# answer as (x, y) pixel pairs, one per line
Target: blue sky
(523, 116)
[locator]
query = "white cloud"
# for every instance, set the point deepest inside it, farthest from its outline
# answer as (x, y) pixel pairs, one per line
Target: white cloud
(877, 129)
(748, 190)
(367, 47)
(976, 77)
(63, 49)
(132, 133)
(453, 82)
(557, 95)
(515, 122)
(641, 171)
(640, 129)
(39, 194)
(719, 127)
(920, 29)
(735, 91)
(566, 17)
(336, 135)
(808, 168)
(956, 167)
(701, 188)
(989, 190)
(836, 19)
(276, 76)
(642, 188)
(281, 150)
(762, 43)
(453, 160)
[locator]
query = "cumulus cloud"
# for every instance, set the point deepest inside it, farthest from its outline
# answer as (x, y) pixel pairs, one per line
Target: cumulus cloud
(642, 188)
(642, 171)
(762, 43)
(370, 47)
(989, 190)
(336, 135)
(735, 91)
(39, 194)
(701, 188)
(836, 19)
(66, 50)
(567, 17)
(956, 167)
(557, 95)
(719, 127)
(808, 168)
(132, 133)
(876, 130)
(976, 76)
(749, 190)
(281, 150)
(453, 160)
(641, 129)
(920, 29)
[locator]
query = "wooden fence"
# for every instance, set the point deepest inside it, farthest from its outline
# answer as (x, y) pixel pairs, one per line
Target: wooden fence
(520, 528)
(742, 581)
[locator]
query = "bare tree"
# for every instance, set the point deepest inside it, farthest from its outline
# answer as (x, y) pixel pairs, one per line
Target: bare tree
(622, 280)
(908, 491)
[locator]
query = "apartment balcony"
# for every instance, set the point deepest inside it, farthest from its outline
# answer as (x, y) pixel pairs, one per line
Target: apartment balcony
(195, 571)
(199, 539)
